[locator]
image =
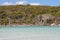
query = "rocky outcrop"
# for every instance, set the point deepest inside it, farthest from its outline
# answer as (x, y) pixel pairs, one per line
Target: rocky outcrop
(44, 19)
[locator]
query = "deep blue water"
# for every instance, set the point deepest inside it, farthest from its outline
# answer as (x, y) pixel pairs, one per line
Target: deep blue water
(30, 33)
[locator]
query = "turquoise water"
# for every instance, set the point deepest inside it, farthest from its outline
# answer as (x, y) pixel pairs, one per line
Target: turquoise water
(30, 33)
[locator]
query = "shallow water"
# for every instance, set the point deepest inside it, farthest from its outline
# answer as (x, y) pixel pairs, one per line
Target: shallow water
(30, 33)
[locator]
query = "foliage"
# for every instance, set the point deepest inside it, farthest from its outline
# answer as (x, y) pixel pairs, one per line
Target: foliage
(26, 13)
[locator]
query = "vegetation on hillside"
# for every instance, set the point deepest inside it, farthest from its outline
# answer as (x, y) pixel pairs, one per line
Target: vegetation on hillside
(27, 14)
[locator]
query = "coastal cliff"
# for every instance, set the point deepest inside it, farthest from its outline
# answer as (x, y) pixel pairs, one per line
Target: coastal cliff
(30, 15)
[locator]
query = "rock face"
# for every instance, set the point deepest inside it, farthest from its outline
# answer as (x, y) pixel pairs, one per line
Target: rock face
(44, 19)
(57, 20)
(48, 19)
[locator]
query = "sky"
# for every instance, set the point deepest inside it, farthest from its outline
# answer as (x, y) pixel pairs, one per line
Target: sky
(31, 2)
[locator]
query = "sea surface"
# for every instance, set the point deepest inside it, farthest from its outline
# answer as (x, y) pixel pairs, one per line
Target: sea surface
(30, 33)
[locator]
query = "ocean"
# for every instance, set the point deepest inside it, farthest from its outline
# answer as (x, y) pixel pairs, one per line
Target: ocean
(30, 33)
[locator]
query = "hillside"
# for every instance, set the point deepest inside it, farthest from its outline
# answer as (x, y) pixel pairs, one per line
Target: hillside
(29, 15)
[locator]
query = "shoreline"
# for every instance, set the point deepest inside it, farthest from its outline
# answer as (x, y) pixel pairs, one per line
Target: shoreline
(25, 25)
